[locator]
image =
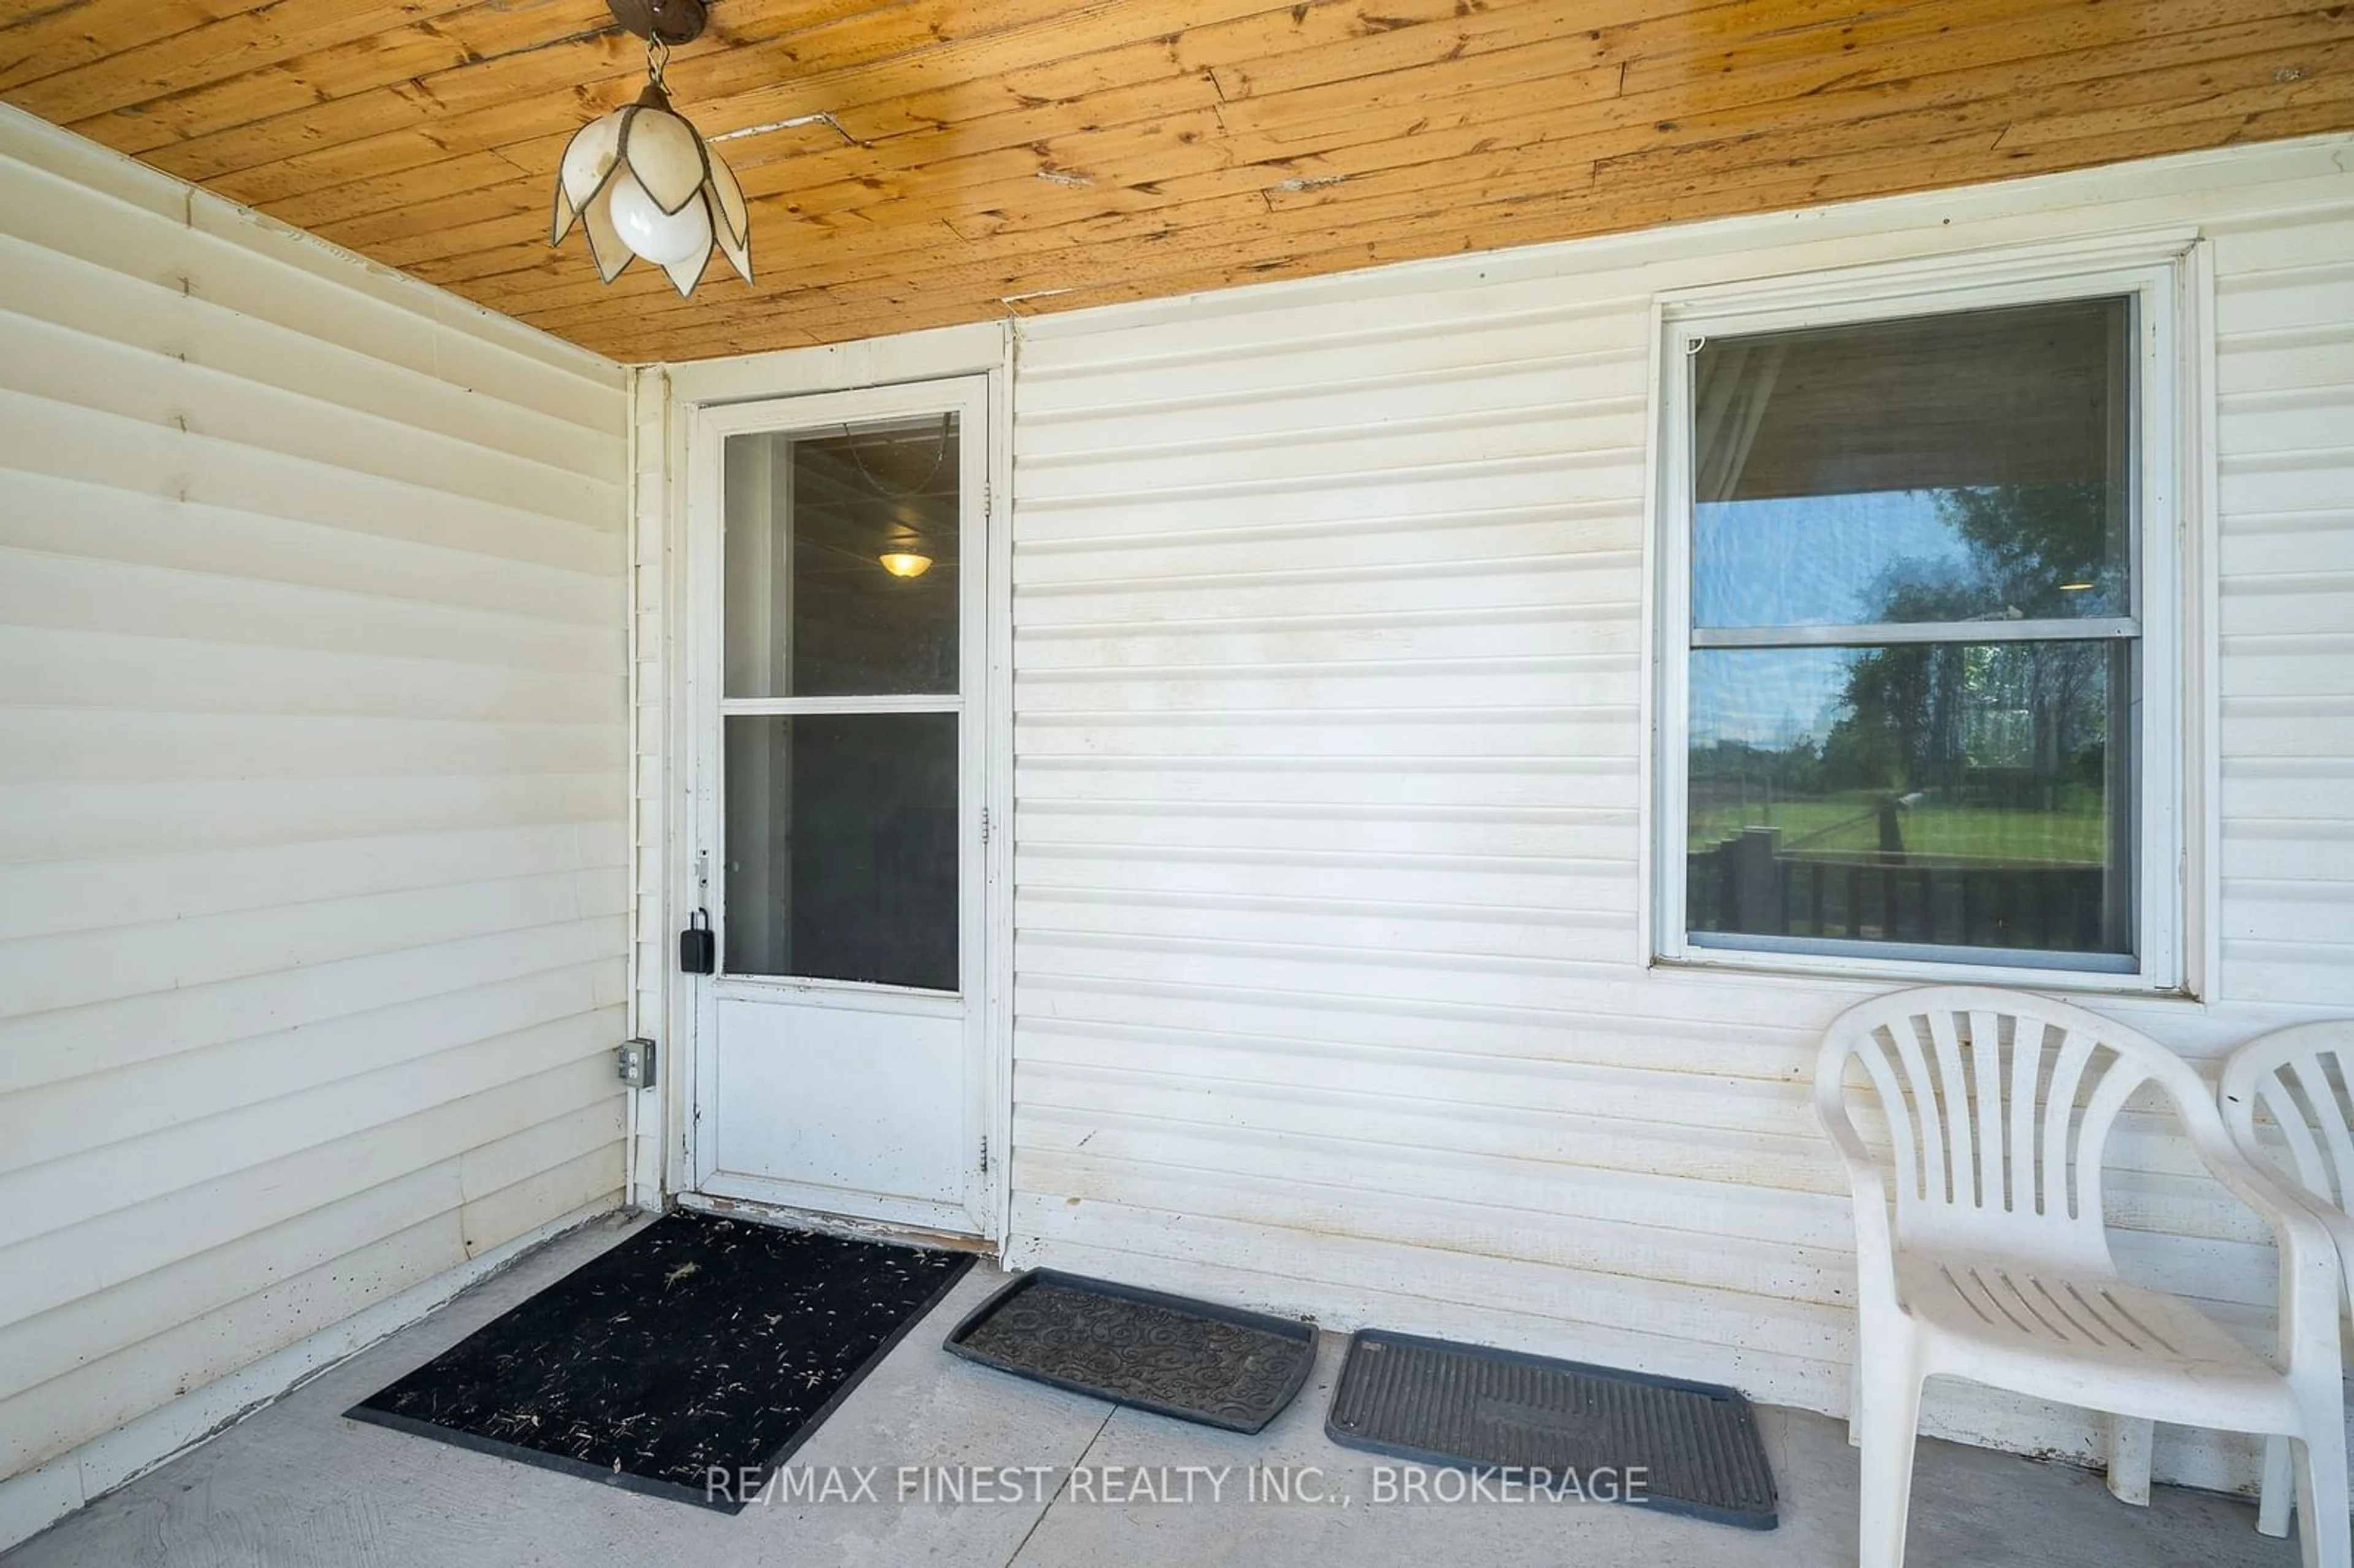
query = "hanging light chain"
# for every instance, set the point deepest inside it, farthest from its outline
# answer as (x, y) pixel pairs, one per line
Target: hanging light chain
(922, 486)
(657, 56)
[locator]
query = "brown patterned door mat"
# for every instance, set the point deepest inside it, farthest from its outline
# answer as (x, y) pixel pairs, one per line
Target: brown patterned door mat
(1168, 1354)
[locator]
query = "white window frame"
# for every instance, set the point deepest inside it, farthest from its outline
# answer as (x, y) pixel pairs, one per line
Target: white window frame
(2161, 275)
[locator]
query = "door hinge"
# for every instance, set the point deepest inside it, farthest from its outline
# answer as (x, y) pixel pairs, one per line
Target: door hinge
(984, 824)
(984, 1154)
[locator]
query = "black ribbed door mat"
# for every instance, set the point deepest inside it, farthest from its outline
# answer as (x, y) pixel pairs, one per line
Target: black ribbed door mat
(1168, 1354)
(1695, 1445)
(699, 1343)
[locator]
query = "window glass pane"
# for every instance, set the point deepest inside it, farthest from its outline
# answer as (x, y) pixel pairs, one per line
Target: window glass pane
(842, 848)
(813, 609)
(1967, 795)
(1974, 466)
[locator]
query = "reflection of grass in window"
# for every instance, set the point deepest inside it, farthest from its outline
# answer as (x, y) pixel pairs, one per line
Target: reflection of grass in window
(2074, 832)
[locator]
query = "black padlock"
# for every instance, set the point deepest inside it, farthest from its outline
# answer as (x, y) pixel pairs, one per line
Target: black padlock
(698, 950)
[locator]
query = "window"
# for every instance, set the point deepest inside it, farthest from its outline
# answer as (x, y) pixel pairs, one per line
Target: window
(1918, 701)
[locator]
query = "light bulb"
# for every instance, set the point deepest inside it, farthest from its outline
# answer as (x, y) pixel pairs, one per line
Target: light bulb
(663, 238)
(906, 563)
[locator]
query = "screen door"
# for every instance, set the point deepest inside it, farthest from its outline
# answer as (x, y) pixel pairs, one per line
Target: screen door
(840, 754)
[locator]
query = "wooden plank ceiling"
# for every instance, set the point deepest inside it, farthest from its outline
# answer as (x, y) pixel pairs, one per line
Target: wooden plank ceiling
(1024, 155)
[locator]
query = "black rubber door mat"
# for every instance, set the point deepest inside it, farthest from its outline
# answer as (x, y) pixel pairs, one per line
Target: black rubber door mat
(698, 1345)
(1168, 1354)
(1693, 1445)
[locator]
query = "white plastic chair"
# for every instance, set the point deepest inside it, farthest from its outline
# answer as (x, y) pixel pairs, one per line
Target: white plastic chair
(2298, 1078)
(1996, 1267)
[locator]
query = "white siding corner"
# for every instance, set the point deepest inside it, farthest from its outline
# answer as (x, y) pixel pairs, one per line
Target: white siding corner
(314, 798)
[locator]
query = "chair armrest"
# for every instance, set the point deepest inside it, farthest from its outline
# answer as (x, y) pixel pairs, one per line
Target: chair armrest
(1874, 1248)
(2309, 1253)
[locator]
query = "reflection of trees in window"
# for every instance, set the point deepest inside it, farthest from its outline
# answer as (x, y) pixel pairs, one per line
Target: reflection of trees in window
(2013, 724)
(2034, 551)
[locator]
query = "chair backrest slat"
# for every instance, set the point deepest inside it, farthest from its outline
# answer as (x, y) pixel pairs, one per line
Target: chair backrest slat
(1994, 1162)
(2072, 1056)
(1921, 1099)
(2026, 1089)
(1900, 1127)
(1954, 1091)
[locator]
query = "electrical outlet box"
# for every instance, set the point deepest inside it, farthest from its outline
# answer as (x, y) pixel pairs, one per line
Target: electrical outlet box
(634, 1062)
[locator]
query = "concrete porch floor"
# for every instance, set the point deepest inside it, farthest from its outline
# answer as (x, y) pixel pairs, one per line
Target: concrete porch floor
(299, 1486)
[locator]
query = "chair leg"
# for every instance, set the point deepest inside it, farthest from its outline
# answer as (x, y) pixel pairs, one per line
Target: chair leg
(2274, 1491)
(1889, 1402)
(2129, 1459)
(2319, 1455)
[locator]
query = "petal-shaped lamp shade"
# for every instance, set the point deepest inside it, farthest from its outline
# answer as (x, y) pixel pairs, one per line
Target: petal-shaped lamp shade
(604, 242)
(731, 221)
(590, 157)
(665, 154)
(643, 182)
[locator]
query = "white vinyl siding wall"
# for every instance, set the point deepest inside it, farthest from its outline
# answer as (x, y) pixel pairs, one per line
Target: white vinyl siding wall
(654, 816)
(314, 843)
(1331, 618)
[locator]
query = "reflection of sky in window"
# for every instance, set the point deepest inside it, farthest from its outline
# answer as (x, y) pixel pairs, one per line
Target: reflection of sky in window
(1772, 697)
(1813, 560)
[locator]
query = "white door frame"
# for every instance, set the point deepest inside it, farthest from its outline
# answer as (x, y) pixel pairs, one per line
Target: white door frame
(730, 388)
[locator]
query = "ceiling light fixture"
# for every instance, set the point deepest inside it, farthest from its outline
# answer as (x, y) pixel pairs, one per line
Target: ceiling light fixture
(906, 563)
(643, 181)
